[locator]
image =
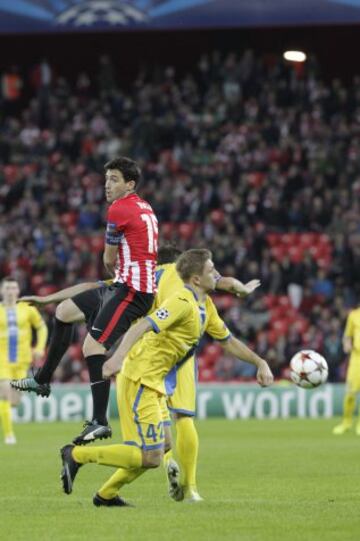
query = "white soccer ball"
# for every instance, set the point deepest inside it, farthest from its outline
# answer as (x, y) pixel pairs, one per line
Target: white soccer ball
(308, 369)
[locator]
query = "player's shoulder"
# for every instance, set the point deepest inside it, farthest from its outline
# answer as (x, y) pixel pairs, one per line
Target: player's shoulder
(168, 268)
(355, 313)
(136, 201)
(27, 308)
(181, 296)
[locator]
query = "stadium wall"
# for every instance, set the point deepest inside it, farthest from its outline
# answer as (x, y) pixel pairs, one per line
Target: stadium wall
(73, 402)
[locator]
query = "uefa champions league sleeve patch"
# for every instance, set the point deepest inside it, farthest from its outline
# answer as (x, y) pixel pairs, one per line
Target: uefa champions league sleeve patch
(162, 313)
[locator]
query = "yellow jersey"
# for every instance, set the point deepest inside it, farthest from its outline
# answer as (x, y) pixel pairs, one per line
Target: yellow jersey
(168, 282)
(178, 324)
(352, 329)
(16, 333)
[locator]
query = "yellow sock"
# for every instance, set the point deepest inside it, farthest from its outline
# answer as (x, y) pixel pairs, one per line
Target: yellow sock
(167, 456)
(187, 447)
(121, 456)
(6, 418)
(349, 407)
(120, 478)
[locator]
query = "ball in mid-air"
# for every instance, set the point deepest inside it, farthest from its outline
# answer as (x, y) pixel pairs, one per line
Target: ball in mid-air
(308, 369)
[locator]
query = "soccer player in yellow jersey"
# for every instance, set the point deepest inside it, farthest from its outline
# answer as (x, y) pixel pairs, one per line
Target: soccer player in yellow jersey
(16, 323)
(166, 338)
(351, 344)
(181, 382)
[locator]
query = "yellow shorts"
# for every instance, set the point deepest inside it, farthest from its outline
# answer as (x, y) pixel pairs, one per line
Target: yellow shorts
(183, 400)
(141, 414)
(353, 373)
(13, 370)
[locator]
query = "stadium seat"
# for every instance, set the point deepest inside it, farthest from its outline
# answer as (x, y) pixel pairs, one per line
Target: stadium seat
(224, 302)
(97, 243)
(36, 281)
(186, 230)
(166, 230)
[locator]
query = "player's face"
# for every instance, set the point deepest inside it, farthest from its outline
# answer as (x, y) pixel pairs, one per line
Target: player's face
(208, 277)
(10, 292)
(115, 185)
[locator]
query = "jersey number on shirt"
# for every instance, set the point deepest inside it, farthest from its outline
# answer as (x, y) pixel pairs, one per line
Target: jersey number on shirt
(152, 231)
(155, 433)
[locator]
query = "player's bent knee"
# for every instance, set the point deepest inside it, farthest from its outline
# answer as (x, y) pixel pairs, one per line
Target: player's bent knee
(152, 459)
(67, 311)
(92, 347)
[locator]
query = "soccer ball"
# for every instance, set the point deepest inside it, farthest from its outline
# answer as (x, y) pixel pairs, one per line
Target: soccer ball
(308, 369)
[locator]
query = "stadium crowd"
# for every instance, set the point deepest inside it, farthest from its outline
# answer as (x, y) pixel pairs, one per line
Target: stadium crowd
(249, 156)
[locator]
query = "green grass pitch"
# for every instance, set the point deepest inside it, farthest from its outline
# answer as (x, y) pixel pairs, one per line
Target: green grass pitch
(261, 480)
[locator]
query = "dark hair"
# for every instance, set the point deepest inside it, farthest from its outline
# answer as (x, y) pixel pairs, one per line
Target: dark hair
(129, 169)
(192, 262)
(8, 279)
(168, 254)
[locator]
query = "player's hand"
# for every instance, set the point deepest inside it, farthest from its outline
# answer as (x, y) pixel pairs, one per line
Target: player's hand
(248, 288)
(264, 375)
(34, 300)
(111, 367)
(242, 290)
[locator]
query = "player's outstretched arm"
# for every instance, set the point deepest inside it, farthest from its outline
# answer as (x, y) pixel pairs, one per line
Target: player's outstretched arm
(61, 295)
(242, 352)
(113, 365)
(234, 286)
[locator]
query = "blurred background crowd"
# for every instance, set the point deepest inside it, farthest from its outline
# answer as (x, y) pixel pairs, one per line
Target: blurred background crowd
(249, 156)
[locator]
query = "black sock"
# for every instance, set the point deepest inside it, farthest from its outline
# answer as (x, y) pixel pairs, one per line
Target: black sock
(100, 387)
(59, 342)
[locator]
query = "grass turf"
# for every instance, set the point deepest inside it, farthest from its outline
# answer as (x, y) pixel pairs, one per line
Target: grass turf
(262, 481)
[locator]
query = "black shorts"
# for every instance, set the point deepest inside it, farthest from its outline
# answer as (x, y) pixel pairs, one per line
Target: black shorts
(110, 310)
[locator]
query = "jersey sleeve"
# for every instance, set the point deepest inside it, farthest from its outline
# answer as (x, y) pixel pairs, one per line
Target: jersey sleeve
(115, 223)
(349, 328)
(39, 325)
(173, 310)
(215, 327)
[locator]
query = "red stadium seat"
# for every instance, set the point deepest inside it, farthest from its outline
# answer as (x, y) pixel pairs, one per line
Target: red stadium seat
(68, 218)
(211, 353)
(206, 374)
(281, 326)
(224, 302)
(166, 230)
(187, 229)
(296, 253)
(46, 290)
(270, 300)
(273, 239)
(97, 243)
(36, 281)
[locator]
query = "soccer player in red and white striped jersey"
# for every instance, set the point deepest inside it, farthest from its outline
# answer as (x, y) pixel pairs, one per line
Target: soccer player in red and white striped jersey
(132, 228)
(130, 256)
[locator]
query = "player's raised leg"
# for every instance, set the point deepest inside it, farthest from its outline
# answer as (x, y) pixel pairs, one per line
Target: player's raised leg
(66, 314)
(143, 447)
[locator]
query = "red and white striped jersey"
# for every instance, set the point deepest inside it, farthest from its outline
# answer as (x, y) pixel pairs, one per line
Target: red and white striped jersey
(133, 227)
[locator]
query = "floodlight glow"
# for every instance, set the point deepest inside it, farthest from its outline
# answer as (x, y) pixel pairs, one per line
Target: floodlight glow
(295, 56)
